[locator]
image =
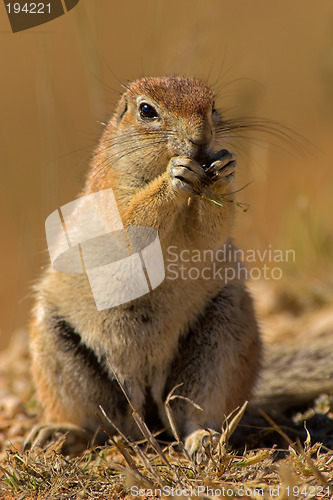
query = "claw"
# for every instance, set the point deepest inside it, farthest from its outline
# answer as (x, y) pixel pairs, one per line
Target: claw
(223, 156)
(76, 439)
(201, 443)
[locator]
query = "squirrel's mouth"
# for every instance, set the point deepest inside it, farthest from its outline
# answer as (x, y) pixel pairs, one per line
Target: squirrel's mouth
(203, 159)
(207, 160)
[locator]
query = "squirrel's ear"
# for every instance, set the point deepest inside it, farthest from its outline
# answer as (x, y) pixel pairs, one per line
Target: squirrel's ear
(121, 109)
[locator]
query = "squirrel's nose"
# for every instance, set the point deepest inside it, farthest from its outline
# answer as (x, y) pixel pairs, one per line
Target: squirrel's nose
(196, 141)
(199, 142)
(201, 137)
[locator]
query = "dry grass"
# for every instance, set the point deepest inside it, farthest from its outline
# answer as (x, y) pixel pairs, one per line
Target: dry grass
(117, 470)
(256, 457)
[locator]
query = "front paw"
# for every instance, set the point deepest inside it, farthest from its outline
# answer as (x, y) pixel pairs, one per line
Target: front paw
(201, 444)
(221, 170)
(186, 176)
(74, 439)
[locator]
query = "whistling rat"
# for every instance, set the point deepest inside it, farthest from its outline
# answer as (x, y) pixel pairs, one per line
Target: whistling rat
(160, 155)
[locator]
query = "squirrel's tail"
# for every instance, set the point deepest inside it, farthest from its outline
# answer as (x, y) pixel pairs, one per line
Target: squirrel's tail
(295, 375)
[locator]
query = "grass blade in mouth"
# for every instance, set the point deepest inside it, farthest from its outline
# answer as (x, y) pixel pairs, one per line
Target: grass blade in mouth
(219, 198)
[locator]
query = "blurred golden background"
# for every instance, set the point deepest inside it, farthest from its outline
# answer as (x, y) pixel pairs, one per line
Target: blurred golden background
(61, 80)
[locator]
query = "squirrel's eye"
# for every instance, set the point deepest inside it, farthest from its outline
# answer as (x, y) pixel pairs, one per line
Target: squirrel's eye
(148, 112)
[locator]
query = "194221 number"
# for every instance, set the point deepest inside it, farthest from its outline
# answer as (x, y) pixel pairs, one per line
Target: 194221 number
(29, 8)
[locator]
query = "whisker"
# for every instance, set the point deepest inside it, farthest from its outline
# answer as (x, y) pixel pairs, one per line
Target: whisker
(108, 162)
(268, 127)
(133, 135)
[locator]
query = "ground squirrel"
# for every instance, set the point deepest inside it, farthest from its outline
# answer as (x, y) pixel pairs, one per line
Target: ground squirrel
(164, 157)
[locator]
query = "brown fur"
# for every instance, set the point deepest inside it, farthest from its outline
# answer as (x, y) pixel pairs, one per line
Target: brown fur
(200, 333)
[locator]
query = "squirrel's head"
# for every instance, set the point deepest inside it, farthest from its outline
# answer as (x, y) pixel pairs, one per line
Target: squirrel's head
(177, 111)
(156, 119)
